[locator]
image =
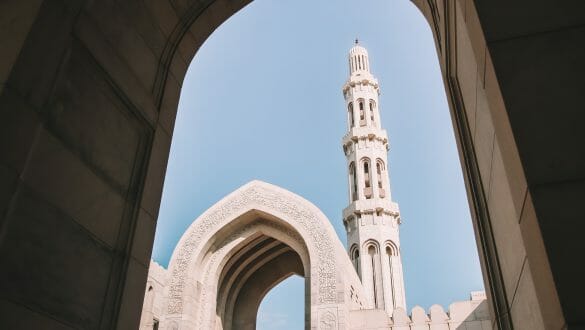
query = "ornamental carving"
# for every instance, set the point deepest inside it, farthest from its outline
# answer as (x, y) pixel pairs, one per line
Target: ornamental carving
(328, 321)
(288, 208)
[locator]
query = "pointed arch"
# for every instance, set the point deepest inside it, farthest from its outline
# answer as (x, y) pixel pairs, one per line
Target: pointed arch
(381, 177)
(362, 111)
(367, 174)
(374, 265)
(372, 108)
(391, 248)
(353, 184)
(248, 242)
(354, 253)
(392, 255)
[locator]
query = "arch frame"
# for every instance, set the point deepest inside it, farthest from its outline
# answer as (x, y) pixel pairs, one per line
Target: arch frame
(394, 249)
(212, 266)
(185, 26)
(256, 208)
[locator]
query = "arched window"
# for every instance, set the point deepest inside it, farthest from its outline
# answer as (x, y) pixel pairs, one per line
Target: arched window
(355, 258)
(391, 253)
(380, 167)
(367, 179)
(372, 106)
(362, 113)
(379, 171)
(376, 274)
(350, 114)
(353, 181)
(367, 173)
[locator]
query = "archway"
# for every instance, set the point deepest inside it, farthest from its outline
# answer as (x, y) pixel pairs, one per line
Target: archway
(247, 243)
(283, 305)
(129, 59)
(258, 266)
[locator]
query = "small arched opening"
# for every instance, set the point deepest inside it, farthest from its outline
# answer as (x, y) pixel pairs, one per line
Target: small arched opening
(350, 115)
(374, 273)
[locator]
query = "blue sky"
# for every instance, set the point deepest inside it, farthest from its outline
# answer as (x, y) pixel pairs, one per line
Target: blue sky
(262, 100)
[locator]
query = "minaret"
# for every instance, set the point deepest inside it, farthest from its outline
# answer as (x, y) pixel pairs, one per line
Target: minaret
(371, 220)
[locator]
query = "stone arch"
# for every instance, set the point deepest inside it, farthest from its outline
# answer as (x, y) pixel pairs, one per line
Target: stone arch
(86, 33)
(248, 242)
(382, 164)
(253, 255)
(392, 248)
(240, 294)
(350, 115)
(354, 247)
(354, 255)
(371, 243)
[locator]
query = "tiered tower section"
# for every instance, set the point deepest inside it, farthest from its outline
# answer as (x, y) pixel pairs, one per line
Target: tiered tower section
(371, 220)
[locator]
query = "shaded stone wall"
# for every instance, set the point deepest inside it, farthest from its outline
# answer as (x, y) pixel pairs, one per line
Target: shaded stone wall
(88, 98)
(89, 93)
(505, 66)
(154, 303)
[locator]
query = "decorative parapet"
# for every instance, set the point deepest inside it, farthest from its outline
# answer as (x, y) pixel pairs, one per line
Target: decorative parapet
(362, 81)
(365, 133)
(472, 313)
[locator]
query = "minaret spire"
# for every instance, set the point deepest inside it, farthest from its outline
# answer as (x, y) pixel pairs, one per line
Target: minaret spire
(371, 219)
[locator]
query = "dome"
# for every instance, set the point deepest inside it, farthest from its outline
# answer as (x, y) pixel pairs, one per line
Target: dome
(358, 50)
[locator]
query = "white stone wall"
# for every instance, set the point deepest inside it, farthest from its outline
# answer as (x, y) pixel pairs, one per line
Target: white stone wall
(258, 207)
(348, 309)
(153, 306)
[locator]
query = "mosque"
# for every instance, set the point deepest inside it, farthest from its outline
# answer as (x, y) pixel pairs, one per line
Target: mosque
(260, 234)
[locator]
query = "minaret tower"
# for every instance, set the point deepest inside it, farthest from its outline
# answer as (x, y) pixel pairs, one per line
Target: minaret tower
(371, 220)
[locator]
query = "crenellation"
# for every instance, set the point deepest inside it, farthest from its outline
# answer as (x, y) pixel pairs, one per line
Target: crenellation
(469, 313)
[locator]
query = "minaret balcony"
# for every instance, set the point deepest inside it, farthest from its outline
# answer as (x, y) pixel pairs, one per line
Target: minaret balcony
(361, 78)
(365, 132)
(371, 206)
